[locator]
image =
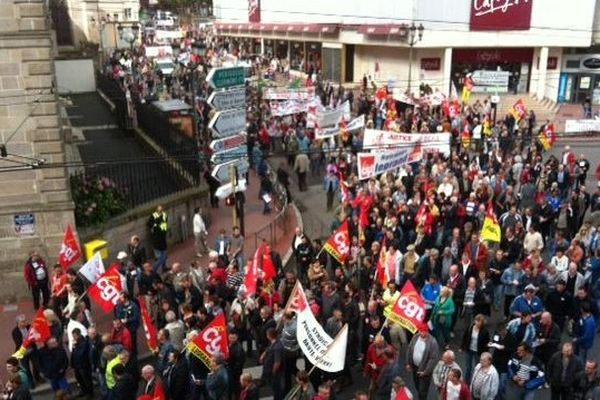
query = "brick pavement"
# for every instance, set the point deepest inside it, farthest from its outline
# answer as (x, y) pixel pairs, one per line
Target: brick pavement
(257, 227)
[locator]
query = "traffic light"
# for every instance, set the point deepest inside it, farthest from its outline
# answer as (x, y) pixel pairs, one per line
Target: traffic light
(230, 201)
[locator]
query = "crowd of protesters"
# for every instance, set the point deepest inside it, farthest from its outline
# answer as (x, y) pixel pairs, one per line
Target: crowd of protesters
(522, 312)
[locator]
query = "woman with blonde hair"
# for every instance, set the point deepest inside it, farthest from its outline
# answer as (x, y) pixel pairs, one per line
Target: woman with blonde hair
(441, 316)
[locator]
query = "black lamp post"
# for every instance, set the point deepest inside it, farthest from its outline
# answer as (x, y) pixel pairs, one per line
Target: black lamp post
(415, 35)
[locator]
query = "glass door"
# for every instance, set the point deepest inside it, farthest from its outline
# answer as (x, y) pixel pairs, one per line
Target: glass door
(583, 88)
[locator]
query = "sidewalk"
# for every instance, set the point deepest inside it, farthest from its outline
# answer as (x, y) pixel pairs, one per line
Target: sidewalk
(258, 226)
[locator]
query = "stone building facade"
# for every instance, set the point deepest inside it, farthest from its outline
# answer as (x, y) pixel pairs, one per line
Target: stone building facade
(35, 203)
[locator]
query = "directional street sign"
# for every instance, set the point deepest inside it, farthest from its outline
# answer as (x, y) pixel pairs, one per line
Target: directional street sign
(228, 123)
(225, 156)
(221, 78)
(221, 171)
(228, 143)
(223, 100)
(226, 190)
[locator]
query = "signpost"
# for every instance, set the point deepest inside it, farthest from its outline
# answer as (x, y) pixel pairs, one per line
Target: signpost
(222, 78)
(228, 123)
(223, 100)
(222, 171)
(225, 156)
(227, 190)
(228, 126)
(228, 143)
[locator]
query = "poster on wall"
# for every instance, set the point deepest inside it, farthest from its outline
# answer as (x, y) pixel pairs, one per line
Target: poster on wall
(503, 15)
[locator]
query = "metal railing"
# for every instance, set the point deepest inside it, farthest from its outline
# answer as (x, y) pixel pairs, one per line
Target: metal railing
(279, 225)
(113, 90)
(183, 149)
(105, 190)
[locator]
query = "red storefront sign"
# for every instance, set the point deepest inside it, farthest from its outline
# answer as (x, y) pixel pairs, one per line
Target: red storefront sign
(431, 64)
(253, 10)
(492, 56)
(501, 15)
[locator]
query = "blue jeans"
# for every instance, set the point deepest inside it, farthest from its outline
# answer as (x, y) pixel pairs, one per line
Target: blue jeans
(161, 260)
(582, 353)
(59, 384)
(502, 386)
(498, 295)
(470, 357)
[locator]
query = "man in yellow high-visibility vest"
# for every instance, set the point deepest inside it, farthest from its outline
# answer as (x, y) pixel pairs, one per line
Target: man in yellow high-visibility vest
(158, 225)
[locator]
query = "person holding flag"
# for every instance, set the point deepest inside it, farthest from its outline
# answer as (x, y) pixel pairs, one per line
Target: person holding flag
(491, 228)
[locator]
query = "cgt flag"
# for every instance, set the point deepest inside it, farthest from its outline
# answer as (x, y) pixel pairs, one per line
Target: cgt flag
(105, 292)
(38, 333)
(409, 309)
(548, 136)
(519, 110)
(149, 328)
(382, 274)
(338, 244)
(213, 340)
(69, 251)
(491, 228)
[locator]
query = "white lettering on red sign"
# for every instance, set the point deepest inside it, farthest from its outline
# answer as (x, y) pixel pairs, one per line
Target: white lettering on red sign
(108, 291)
(412, 309)
(485, 7)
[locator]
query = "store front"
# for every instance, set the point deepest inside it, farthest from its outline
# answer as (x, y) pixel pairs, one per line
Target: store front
(503, 70)
(580, 79)
(297, 53)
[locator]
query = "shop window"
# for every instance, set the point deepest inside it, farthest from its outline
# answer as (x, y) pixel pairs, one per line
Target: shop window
(332, 66)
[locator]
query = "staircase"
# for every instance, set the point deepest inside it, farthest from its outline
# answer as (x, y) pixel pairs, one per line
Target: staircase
(544, 109)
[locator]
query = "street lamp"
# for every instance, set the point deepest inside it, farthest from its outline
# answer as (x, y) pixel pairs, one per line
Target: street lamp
(415, 35)
(129, 35)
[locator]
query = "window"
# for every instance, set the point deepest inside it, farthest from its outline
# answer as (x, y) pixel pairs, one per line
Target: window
(127, 14)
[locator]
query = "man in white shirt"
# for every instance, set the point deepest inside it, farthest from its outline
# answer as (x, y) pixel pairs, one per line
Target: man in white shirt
(200, 233)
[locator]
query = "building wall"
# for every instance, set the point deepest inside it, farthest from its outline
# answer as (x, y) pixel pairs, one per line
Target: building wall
(446, 22)
(552, 75)
(30, 127)
(84, 29)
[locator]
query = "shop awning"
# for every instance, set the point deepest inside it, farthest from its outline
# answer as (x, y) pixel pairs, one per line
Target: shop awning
(382, 30)
(295, 28)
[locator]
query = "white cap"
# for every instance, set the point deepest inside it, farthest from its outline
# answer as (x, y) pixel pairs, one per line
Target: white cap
(121, 256)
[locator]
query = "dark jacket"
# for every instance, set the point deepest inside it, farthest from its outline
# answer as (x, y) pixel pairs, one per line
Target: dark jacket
(53, 362)
(482, 340)
(22, 393)
(80, 355)
(554, 371)
(217, 384)
(17, 336)
(126, 388)
(177, 380)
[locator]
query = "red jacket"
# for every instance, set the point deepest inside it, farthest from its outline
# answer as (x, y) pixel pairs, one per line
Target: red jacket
(30, 273)
(374, 358)
(122, 337)
(481, 256)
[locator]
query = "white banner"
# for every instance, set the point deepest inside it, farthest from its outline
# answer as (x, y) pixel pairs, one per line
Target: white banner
(490, 81)
(428, 142)
(93, 269)
(322, 351)
(373, 164)
(582, 125)
(307, 93)
(353, 126)
(158, 51)
(333, 117)
(290, 107)
(167, 35)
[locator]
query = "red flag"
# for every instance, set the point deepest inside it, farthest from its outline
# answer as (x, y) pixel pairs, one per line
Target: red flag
(268, 267)
(344, 188)
(519, 110)
(70, 251)
(211, 341)
(338, 244)
(382, 274)
(252, 271)
(38, 333)
(106, 290)
(409, 309)
(425, 218)
(149, 328)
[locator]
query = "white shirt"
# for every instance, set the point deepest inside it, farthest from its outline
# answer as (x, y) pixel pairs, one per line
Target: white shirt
(199, 226)
(71, 326)
(452, 391)
(419, 351)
